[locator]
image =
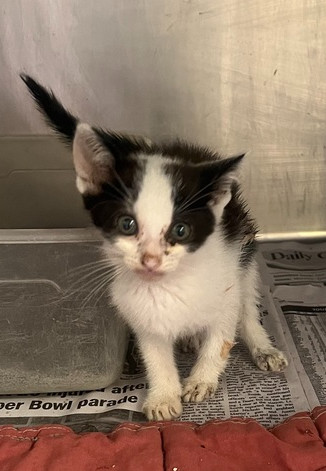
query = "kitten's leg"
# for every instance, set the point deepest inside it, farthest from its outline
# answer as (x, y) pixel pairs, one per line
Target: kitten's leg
(264, 355)
(212, 359)
(164, 398)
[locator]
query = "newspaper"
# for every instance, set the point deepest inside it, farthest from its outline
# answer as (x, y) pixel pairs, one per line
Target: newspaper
(302, 310)
(293, 310)
(293, 263)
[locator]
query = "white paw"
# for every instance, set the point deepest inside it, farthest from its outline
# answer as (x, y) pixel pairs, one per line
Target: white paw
(161, 407)
(270, 359)
(196, 391)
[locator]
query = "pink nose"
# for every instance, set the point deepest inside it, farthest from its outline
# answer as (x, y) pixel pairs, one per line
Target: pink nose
(150, 261)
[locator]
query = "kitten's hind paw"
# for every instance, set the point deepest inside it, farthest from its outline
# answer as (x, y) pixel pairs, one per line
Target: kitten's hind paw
(270, 359)
(195, 391)
(189, 344)
(162, 407)
(192, 343)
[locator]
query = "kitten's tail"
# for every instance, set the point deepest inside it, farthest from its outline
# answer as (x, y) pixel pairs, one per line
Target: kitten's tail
(59, 119)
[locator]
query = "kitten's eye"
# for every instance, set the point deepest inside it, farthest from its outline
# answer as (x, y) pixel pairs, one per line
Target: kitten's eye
(127, 225)
(181, 231)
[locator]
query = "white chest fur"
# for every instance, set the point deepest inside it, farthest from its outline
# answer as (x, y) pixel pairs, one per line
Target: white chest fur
(202, 291)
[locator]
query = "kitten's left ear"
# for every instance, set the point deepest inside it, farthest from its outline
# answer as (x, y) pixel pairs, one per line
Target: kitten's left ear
(220, 176)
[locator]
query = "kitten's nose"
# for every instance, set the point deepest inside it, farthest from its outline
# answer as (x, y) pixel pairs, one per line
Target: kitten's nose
(151, 261)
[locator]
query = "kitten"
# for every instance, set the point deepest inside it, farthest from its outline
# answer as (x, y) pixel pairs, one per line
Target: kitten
(183, 244)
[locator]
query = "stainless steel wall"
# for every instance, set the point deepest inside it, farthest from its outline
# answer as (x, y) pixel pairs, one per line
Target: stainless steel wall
(238, 75)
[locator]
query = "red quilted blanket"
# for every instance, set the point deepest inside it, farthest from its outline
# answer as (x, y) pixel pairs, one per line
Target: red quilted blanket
(298, 444)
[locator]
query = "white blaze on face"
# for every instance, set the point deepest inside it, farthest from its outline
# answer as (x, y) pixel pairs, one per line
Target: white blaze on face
(154, 207)
(148, 252)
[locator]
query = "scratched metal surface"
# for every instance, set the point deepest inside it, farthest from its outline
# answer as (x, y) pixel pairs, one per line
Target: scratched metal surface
(238, 75)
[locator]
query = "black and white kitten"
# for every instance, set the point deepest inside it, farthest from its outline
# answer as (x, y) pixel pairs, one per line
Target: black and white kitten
(183, 245)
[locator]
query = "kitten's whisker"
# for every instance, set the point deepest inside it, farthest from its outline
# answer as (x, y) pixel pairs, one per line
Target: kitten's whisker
(119, 275)
(192, 201)
(196, 196)
(86, 266)
(88, 284)
(100, 284)
(88, 275)
(76, 275)
(84, 299)
(128, 193)
(112, 197)
(192, 196)
(189, 200)
(93, 292)
(199, 208)
(120, 194)
(184, 207)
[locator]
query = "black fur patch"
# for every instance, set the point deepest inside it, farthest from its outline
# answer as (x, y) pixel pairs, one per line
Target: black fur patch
(201, 223)
(194, 187)
(117, 197)
(58, 118)
(248, 253)
(187, 153)
(191, 203)
(122, 146)
(238, 225)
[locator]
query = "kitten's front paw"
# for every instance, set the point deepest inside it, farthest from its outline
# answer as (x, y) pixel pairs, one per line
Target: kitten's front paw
(270, 359)
(196, 391)
(162, 407)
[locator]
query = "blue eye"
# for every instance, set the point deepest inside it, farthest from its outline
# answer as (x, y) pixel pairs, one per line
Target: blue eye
(181, 231)
(127, 225)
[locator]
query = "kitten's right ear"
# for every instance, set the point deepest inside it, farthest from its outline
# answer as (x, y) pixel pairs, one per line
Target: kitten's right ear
(93, 162)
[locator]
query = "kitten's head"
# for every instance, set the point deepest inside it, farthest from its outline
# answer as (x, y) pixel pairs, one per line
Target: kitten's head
(154, 203)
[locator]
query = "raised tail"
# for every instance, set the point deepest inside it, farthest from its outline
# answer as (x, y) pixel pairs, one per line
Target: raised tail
(59, 119)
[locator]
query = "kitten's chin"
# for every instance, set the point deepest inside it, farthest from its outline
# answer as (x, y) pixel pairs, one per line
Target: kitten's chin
(147, 275)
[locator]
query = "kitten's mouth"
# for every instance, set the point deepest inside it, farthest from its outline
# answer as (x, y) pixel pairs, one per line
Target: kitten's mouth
(149, 275)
